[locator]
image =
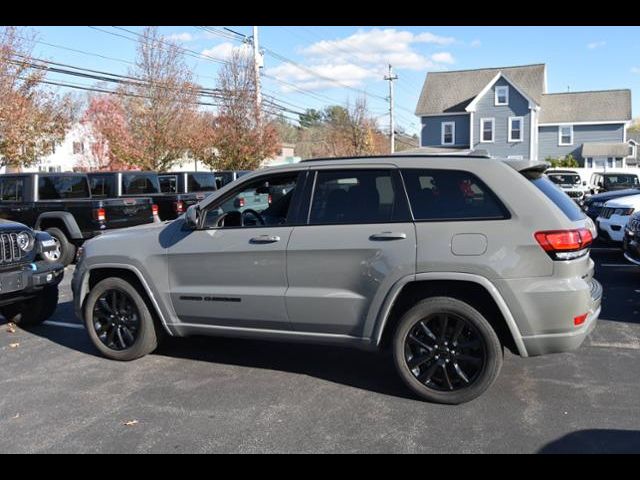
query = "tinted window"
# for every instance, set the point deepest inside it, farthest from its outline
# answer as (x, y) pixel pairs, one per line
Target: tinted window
(101, 186)
(557, 196)
(565, 178)
(451, 195)
(168, 183)
(356, 196)
(140, 183)
(11, 189)
(53, 187)
(619, 180)
(201, 182)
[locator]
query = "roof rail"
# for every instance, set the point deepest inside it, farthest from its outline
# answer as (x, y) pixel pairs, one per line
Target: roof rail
(413, 154)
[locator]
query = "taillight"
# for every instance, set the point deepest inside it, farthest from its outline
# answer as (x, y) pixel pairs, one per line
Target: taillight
(154, 209)
(579, 320)
(565, 244)
(270, 199)
(99, 214)
(178, 206)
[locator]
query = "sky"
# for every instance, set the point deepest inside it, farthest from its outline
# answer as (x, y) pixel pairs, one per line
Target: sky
(311, 67)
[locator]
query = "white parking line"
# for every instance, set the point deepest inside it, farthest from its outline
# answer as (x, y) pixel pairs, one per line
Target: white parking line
(64, 324)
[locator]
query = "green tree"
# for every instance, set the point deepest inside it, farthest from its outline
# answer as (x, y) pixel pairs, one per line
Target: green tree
(311, 118)
(567, 161)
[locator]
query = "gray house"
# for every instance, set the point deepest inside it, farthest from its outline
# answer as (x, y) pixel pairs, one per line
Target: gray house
(508, 112)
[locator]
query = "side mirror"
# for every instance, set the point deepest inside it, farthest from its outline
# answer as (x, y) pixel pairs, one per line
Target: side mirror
(191, 217)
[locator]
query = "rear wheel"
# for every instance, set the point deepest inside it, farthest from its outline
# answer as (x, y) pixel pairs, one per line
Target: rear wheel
(446, 351)
(33, 311)
(64, 252)
(118, 320)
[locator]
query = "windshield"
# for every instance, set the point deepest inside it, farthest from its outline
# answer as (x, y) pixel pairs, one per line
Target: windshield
(564, 178)
(140, 183)
(622, 179)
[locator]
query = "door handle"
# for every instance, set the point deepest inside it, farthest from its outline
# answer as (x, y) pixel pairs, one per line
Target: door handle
(386, 236)
(265, 239)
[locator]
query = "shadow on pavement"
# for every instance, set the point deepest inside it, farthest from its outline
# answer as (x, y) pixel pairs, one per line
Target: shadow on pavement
(596, 441)
(621, 284)
(360, 369)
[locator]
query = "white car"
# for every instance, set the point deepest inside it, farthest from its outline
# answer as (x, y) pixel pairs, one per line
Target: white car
(615, 215)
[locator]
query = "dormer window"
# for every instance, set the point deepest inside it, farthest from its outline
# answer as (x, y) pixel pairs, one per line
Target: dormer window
(448, 133)
(502, 95)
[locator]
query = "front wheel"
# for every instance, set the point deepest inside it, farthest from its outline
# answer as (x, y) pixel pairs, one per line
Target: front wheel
(34, 311)
(118, 321)
(446, 351)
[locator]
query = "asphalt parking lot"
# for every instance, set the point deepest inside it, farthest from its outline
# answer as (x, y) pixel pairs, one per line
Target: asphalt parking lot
(220, 395)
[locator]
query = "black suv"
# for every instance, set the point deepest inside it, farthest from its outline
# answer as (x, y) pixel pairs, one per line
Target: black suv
(28, 288)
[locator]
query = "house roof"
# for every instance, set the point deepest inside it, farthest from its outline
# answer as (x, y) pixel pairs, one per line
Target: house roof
(444, 92)
(601, 106)
(606, 150)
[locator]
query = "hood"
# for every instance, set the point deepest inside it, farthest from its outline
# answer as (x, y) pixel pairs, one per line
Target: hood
(603, 197)
(8, 224)
(624, 202)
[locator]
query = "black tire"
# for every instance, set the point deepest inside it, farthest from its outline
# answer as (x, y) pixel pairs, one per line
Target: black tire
(67, 250)
(34, 311)
(146, 335)
(436, 373)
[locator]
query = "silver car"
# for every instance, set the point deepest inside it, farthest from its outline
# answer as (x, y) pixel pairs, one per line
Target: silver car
(443, 260)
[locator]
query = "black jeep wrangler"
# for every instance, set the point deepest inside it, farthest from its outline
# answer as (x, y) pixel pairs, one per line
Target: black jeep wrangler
(28, 287)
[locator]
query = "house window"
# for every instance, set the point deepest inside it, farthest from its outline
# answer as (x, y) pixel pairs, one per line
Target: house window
(589, 162)
(448, 133)
(486, 130)
(619, 162)
(78, 148)
(565, 135)
(502, 95)
(515, 129)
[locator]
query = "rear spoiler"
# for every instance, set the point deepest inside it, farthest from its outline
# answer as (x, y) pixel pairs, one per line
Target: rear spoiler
(529, 168)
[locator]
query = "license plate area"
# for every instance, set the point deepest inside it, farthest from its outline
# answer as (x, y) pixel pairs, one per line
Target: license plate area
(11, 282)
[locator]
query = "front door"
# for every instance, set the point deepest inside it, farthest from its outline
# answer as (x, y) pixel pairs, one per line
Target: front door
(232, 272)
(359, 241)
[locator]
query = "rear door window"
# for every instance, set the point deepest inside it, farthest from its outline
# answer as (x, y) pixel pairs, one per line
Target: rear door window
(557, 196)
(201, 182)
(441, 195)
(357, 197)
(52, 187)
(11, 189)
(140, 183)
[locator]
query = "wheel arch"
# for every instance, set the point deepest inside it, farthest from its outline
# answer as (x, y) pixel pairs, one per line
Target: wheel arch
(59, 219)
(474, 289)
(130, 273)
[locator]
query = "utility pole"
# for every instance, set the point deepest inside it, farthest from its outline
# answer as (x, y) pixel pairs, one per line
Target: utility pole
(392, 134)
(257, 62)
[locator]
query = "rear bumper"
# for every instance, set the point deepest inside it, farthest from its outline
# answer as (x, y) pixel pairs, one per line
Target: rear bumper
(567, 341)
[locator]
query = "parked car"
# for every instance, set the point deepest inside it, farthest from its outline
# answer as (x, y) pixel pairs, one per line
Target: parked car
(28, 287)
(570, 182)
(631, 241)
(62, 205)
(200, 183)
(611, 181)
(615, 215)
(224, 177)
(133, 184)
(444, 260)
(592, 205)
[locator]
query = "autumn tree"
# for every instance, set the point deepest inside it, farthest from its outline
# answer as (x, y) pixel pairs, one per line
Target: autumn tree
(244, 136)
(32, 118)
(153, 110)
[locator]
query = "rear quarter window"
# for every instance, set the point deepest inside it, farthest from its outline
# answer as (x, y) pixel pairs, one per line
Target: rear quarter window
(559, 198)
(140, 183)
(442, 195)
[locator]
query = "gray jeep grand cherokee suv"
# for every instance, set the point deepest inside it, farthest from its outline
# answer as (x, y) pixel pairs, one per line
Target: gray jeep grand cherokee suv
(445, 260)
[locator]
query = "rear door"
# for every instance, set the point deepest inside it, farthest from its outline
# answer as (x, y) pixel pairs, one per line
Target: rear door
(359, 240)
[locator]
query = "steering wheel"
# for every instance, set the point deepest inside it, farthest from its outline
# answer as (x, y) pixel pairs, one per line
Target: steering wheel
(253, 213)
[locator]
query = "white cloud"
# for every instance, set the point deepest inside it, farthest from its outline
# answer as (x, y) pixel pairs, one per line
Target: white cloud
(443, 57)
(475, 43)
(223, 51)
(593, 45)
(364, 55)
(180, 37)
(635, 69)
